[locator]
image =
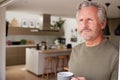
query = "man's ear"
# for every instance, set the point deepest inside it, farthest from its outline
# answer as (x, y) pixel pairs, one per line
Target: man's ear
(103, 24)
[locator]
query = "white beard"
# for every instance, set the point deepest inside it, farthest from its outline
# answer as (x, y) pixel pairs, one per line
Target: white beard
(86, 37)
(89, 36)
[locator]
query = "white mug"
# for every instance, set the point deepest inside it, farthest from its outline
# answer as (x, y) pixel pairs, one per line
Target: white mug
(64, 75)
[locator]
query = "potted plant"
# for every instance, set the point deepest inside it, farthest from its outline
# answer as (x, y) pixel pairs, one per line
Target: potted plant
(58, 24)
(23, 42)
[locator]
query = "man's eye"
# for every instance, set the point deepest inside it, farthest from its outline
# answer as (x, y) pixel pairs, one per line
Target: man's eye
(80, 20)
(90, 19)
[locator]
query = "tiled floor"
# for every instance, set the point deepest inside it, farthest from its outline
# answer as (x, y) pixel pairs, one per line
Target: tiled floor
(19, 73)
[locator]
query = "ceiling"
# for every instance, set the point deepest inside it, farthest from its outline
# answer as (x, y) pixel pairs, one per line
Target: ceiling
(65, 8)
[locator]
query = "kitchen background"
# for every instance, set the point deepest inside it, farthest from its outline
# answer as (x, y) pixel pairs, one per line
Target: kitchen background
(69, 28)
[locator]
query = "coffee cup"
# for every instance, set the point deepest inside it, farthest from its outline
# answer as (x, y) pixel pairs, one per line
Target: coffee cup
(64, 75)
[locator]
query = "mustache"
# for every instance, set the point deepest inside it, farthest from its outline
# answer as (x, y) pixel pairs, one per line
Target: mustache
(85, 29)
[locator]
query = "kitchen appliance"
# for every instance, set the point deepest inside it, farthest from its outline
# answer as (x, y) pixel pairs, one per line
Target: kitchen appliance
(15, 42)
(43, 45)
(37, 47)
(69, 46)
(61, 40)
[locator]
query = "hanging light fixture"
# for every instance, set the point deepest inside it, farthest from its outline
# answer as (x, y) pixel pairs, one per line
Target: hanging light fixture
(89, 0)
(106, 30)
(119, 9)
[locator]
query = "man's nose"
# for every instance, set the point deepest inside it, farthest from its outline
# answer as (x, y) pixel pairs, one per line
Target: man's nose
(85, 23)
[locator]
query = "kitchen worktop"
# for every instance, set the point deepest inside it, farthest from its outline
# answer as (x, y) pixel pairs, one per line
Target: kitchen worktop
(20, 45)
(54, 50)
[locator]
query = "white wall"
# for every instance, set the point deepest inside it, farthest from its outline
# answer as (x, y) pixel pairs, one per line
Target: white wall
(20, 16)
(71, 23)
(2, 43)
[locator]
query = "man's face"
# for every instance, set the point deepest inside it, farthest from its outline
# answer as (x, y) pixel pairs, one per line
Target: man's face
(89, 25)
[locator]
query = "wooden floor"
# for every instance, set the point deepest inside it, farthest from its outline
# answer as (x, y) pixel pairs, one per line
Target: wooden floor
(19, 73)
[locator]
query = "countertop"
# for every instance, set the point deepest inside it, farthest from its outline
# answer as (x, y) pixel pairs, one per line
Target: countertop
(54, 51)
(20, 45)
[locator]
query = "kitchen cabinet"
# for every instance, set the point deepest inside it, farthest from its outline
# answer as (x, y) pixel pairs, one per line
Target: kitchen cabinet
(33, 31)
(15, 55)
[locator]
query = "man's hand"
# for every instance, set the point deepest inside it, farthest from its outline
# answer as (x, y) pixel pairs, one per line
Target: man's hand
(78, 78)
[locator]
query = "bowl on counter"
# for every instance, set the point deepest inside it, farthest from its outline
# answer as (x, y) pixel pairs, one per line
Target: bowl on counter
(53, 46)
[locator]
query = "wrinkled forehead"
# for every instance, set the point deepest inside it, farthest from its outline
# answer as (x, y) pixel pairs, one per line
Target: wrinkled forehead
(88, 12)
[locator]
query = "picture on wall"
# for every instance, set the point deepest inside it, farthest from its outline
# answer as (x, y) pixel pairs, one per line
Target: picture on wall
(73, 35)
(24, 23)
(73, 39)
(37, 24)
(31, 23)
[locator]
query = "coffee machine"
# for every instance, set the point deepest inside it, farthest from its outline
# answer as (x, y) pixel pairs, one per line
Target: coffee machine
(61, 40)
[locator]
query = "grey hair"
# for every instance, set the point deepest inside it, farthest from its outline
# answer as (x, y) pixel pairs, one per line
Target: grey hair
(101, 10)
